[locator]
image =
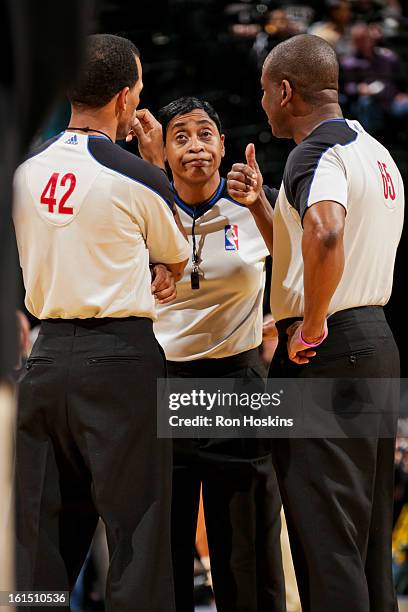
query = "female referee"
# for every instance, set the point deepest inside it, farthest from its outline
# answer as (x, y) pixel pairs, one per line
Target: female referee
(213, 329)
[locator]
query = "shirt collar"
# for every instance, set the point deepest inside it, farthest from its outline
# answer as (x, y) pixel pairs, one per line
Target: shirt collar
(200, 209)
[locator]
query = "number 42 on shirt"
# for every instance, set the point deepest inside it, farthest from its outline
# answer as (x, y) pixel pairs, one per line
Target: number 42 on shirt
(48, 195)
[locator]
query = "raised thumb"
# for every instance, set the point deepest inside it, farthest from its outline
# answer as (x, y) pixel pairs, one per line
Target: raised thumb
(250, 156)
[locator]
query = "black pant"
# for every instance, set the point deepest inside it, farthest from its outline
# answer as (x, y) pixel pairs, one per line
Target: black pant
(87, 447)
(241, 506)
(338, 493)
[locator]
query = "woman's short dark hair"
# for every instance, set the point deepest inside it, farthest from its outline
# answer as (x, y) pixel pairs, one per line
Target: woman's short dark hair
(108, 67)
(184, 105)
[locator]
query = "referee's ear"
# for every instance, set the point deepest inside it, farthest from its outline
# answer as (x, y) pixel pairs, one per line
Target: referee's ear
(121, 99)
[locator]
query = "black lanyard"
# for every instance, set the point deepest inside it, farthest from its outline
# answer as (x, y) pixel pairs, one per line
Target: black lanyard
(195, 276)
(89, 129)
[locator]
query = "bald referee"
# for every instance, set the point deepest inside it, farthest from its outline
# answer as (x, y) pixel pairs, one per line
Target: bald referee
(336, 227)
(89, 218)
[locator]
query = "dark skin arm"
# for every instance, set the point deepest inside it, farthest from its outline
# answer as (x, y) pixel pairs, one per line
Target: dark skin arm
(263, 216)
(323, 258)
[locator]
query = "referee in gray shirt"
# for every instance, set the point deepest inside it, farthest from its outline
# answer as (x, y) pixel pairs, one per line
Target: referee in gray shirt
(336, 227)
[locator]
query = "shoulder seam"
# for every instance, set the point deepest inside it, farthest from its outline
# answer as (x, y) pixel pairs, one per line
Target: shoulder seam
(131, 178)
(337, 144)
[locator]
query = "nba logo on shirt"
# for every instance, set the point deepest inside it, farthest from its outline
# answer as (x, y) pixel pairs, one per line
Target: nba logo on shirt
(231, 237)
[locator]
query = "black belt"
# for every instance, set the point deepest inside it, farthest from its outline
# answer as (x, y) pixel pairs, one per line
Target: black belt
(376, 313)
(242, 360)
(77, 327)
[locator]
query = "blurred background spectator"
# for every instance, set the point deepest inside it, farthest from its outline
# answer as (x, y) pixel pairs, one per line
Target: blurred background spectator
(278, 27)
(374, 80)
(335, 29)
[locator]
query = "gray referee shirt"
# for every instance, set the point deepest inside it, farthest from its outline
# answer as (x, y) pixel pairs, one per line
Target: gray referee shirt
(339, 161)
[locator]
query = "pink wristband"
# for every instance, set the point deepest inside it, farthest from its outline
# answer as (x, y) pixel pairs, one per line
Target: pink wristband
(308, 344)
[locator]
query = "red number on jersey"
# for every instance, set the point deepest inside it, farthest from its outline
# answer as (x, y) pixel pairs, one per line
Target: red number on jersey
(50, 186)
(50, 199)
(389, 190)
(67, 210)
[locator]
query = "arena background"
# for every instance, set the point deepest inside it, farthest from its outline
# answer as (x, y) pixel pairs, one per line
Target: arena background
(212, 49)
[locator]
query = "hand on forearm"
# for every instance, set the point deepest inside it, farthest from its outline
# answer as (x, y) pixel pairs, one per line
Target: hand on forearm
(163, 284)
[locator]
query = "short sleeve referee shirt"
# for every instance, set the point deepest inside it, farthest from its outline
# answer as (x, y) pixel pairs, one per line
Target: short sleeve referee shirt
(339, 161)
(224, 316)
(89, 216)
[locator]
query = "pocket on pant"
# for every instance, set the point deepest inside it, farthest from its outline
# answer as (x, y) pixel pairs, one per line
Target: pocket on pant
(351, 355)
(40, 360)
(114, 360)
